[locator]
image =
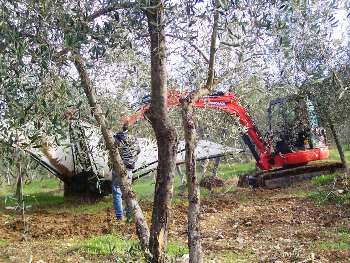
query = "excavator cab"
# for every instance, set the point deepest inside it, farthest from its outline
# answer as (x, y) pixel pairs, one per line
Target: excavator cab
(294, 126)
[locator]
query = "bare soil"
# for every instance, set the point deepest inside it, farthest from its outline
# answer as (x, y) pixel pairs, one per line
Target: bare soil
(268, 225)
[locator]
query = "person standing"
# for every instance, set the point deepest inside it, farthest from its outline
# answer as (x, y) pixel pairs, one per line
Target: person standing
(128, 148)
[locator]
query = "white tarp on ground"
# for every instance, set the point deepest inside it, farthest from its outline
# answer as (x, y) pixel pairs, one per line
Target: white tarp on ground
(205, 149)
(146, 161)
(60, 159)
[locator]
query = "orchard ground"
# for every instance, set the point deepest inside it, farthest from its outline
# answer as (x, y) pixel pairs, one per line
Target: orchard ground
(308, 222)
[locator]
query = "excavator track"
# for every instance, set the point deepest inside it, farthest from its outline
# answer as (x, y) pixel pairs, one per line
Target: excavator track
(285, 177)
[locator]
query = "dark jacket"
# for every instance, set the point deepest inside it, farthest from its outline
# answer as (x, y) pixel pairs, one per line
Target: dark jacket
(128, 148)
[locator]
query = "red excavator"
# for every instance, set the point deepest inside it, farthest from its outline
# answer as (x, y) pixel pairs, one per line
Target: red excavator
(294, 138)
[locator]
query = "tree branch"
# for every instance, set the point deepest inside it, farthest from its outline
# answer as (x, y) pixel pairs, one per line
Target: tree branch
(110, 8)
(200, 52)
(210, 83)
(211, 72)
(192, 45)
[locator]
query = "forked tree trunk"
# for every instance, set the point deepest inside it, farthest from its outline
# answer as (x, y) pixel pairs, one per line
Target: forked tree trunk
(194, 235)
(193, 212)
(118, 166)
(164, 131)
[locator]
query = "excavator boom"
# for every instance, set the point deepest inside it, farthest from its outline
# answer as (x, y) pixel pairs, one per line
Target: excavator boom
(266, 158)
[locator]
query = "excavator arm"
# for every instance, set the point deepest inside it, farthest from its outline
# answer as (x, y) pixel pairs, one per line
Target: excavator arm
(266, 157)
(226, 102)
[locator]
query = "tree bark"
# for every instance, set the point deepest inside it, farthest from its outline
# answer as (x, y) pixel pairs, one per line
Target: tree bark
(338, 144)
(203, 167)
(8, 176)
(214, 171)
(182, 175)
(193, 213)
(164, 131)
(129, 196)
(19, 182)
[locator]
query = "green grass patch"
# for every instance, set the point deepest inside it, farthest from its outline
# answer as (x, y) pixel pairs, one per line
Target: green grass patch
(39, 193)
(326, 192)
(123, 250)
(228, 170)
(176, 249)
(228, 256)
(341, 241)
(330, 197)
(48, 193)
(104, 245)
(5, 190)
(333, 245)
(144, 188)
(324, 179)
(334, 155)
(43, 185)
(3, 242)
(343, 229)
(84, 208)
(33, 187)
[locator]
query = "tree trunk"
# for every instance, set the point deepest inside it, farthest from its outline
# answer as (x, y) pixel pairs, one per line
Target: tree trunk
(129, 196)
(8, 176)
(193, 212)
(164, 131)
(19, 182)
(338, 144)
(203, 167)
(215, 169)
(181, 174)
(194, 236)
